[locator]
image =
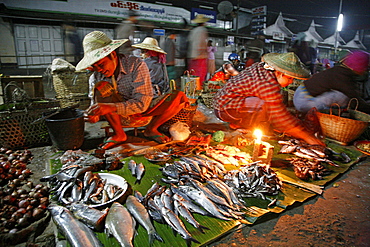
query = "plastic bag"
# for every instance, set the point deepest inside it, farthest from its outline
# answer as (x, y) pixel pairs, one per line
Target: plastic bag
(179, 131)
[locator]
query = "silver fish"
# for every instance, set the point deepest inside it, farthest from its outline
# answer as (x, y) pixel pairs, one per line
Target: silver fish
(176, 224)
(200, 198)
(92, 217)
(139, 171)
(76, 232)
(185, 213)
(120, 224)
(132, 167)
(189, 205)
(139, 212)
(215, 198)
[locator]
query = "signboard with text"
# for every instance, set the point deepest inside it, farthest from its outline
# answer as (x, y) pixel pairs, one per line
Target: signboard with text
(258, 20)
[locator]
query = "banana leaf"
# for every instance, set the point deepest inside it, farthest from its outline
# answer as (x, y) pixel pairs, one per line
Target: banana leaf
(257, 207)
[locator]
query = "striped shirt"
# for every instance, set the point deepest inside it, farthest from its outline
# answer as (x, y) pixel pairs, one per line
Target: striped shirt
(256, 81)
(133, 83)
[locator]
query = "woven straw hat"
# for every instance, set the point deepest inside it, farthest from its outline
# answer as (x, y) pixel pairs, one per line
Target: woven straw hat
(288, 63)
(200, 19)
(97, 45)
(150, 44)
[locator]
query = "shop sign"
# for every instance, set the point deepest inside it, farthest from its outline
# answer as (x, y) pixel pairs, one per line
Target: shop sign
(104, 8)
(207, 13)
(262, 10)
(159, 32)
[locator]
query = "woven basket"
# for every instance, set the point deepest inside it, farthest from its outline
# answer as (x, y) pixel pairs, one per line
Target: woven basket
(343, 129)
(17, 127)
(208, 99)
(72, 88)
(185, 115)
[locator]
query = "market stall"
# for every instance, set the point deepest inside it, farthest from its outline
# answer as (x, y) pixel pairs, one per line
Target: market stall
(257, 205)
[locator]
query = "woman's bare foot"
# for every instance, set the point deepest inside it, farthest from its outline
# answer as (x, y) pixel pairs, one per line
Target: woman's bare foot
(113, 141)
(157, 136)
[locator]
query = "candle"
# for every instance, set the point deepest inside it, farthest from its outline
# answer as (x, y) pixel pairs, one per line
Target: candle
(258, 147)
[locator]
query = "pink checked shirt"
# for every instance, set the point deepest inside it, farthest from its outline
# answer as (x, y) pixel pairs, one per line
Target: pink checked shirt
(256, 81)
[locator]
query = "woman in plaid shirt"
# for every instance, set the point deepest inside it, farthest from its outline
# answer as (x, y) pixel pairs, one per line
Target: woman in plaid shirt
(253, 99)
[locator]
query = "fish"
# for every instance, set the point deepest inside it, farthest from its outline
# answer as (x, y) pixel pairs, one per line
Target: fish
(200, 198)
(120, 224)
(186, 214)
(176, 224)
(76, 232)
(139, 171)
(232, 195)
(190, 205)
(215, 198)
(132, 167)
(288, 149)
(77, 190)
(92, 217)
(139, 212)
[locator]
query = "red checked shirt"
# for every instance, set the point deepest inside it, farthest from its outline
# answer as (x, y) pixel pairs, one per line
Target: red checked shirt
(133, 85)
(256, 81)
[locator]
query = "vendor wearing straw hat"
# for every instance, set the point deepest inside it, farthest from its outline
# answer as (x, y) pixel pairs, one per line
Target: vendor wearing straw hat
(122, 91)
(155, 59)
(197, 50)
(252, 98)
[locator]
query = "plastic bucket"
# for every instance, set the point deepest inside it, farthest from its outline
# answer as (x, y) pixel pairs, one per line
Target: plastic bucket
(66, 129)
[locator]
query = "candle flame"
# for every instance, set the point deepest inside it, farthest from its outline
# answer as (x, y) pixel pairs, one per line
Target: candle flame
(258, 134)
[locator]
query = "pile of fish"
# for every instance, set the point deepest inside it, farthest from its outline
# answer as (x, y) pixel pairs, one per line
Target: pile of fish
(307, 165)
(253, 180)
(77, 222)
(315, 152)
(76, 182)
(165, 204)
(308, 169)
(199, 167)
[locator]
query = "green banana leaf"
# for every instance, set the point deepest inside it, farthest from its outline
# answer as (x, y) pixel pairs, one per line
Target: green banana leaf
(257, 207)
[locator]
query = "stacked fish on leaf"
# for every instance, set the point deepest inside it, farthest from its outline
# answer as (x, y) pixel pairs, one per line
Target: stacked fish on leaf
(165, 204)
(76, 182)
(308, 163)
(253, 180)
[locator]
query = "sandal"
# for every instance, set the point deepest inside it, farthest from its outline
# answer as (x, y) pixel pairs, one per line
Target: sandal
(159, 138)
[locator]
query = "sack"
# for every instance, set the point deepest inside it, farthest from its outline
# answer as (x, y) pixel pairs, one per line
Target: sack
(179, 131)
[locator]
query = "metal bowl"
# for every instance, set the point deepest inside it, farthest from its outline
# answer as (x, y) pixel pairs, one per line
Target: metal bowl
(115, 180)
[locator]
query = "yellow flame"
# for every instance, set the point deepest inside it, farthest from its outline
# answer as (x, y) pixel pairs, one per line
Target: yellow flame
(258, 134)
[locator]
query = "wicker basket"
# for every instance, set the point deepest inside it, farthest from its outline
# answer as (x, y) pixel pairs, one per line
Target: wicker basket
(17, 127)
(343, 129)
(208, 99)
(185, 115)
(72, 88)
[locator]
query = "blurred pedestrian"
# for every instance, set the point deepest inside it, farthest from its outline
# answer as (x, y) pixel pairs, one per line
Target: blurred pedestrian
(126, 30)
(211, 58)
(197, 50)
(334, 85)
(169, 46)
(73, 44)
